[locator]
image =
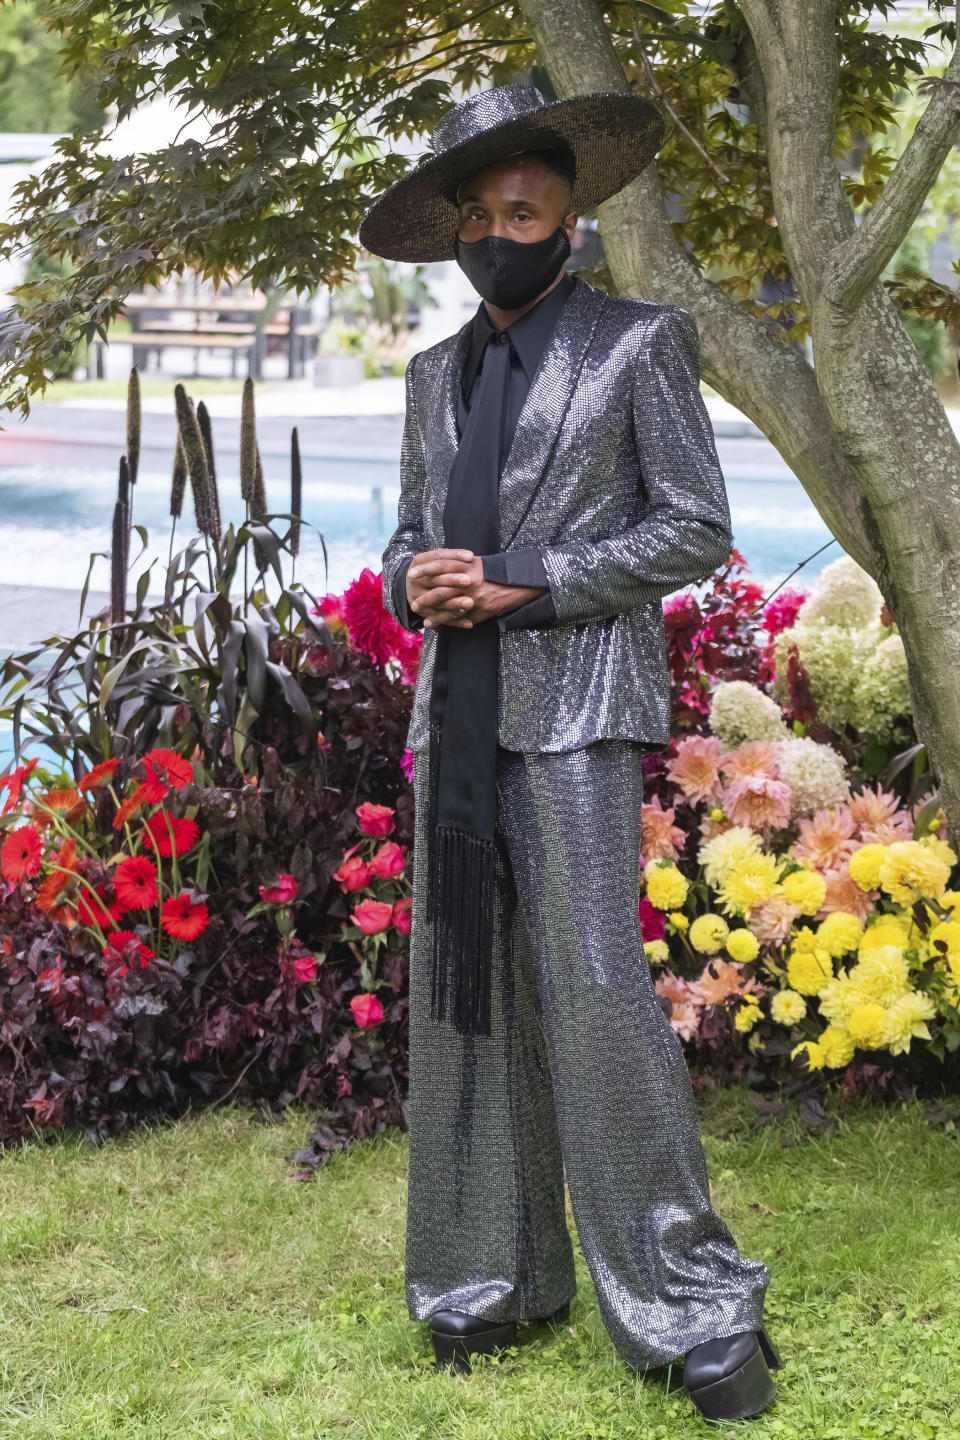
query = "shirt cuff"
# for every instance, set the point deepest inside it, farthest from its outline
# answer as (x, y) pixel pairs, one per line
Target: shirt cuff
(515, 567)
(538, 611)
(409, 619)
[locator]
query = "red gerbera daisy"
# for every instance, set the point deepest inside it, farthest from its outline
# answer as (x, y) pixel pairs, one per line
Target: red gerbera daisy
(22, 853)
(50, 897)
(185, 833)
(118, 940)
(184, 918)
(99, 772)
(370, 625)
(165, 770)
(135, 882)
(134, 802)
(68, 804)
(14, 782)
(93, 910)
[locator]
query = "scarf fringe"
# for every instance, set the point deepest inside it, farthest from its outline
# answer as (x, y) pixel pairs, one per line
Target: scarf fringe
(463, 930)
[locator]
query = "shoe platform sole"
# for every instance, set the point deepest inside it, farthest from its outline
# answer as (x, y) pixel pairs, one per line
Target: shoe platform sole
(746, 1391)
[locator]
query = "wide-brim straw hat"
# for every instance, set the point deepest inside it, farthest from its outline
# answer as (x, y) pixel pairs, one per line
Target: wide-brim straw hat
(612, 135)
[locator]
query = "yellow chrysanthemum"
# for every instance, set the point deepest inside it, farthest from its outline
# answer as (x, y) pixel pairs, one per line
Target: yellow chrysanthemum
(868, 1025)
(752, 880)
(941, 849)
(743, 946)
(911, 870)
(950, 899)
(906, 1018)
(837, 1047)
(787, 1007)
(666, 887)
(747, 1016)
(812, 1051)
(883, 975)
(805, 941)
(887, 930)
(840, 933)
(808, 973)
(721, 854)
(947, 931)
(806, 889)
(707, 934)
(656, 951)
(839, 997)
(679, 921)
(865, 866)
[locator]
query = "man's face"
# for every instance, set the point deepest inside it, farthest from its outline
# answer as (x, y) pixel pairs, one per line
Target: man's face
(520, 198)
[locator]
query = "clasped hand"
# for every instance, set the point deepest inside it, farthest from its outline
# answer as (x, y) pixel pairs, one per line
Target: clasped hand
(441, 582)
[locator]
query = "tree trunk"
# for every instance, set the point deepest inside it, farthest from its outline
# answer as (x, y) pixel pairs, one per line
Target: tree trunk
(864, 431)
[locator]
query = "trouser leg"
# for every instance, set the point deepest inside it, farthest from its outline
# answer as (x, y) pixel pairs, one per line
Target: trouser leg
(486, 1223)
(665, 1267)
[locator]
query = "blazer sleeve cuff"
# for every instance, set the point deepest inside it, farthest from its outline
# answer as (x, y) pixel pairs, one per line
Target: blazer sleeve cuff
(408, 618)
(538, 611)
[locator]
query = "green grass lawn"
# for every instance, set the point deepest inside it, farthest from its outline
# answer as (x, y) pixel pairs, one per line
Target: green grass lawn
(180, 1283)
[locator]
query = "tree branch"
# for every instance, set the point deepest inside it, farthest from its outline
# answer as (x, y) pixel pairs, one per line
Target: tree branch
(856, 264)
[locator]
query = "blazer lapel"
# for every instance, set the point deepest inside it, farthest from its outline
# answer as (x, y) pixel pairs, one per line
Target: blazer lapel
(540, 419)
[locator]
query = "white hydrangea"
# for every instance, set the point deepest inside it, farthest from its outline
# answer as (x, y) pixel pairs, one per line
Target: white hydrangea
(832, 656)
(815, 774)
(740, 712)
(882, 690)
(842, 595)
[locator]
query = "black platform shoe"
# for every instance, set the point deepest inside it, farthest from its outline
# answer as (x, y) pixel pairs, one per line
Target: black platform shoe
(728, 1378)
(456, 1336)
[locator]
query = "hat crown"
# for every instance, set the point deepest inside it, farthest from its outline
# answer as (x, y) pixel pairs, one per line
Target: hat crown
(471, 117)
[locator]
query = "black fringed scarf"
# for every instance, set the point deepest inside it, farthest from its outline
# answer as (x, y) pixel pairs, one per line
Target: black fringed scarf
(464, 725)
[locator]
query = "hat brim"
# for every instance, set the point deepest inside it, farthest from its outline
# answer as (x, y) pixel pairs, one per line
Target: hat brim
(613, 136)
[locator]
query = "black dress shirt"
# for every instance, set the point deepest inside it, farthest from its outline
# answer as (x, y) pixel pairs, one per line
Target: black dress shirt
(528, 338)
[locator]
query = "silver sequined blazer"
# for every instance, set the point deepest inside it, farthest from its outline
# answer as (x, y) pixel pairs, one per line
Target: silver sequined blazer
(613, 477)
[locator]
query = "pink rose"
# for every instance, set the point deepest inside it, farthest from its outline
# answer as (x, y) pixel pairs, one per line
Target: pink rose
(305, 968)
(367, 1010)
(282, 893)
(375, 819)
(388, 861)
(354, 874)
(401, 915)
(372, 916)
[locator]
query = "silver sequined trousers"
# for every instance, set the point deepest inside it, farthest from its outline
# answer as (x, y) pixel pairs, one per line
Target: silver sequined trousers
(583, 1073)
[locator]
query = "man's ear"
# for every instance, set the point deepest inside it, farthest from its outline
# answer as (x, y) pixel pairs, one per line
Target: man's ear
(570, 222)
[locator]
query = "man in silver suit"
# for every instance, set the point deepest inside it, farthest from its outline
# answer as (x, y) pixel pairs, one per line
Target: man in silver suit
(559, 476)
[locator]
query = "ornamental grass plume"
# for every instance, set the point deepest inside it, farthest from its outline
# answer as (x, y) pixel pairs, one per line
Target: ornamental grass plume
(206, 434)
(178, 481)
(203, 503)
(119, 550)
(134, 423)
(296, 492)
(248, 442)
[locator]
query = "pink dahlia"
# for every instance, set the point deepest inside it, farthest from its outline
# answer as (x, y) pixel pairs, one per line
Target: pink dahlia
(781, 613)
(694, 769)
(653, 925)
(753, 757)
(662, 839)
(843, 893)
(772, 920)
(758, 802)
(720, 978)
(878, 817)
(686, 1006)
(370, 625)
(829, 839)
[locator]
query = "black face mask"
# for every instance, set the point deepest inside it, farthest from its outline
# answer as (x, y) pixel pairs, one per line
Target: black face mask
(510, 273)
